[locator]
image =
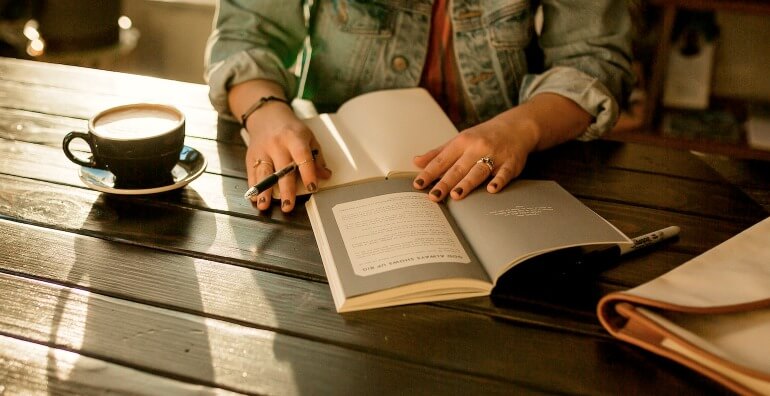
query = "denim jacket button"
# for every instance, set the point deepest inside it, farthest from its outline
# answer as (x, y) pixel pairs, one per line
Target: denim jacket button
(399, 64)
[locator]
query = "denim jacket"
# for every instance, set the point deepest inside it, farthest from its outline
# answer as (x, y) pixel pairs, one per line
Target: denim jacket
(365, 45)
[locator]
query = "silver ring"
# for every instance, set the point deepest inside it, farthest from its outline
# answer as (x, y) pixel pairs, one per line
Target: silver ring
(488, 161)
(261, 161)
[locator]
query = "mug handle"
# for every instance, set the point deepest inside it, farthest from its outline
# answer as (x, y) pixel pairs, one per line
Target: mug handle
(66, 147)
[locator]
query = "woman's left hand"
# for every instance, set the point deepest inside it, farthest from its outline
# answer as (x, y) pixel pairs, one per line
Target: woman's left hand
(496, 150)
(489, 149)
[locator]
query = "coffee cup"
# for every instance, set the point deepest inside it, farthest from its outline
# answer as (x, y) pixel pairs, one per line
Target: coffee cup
(139, 143)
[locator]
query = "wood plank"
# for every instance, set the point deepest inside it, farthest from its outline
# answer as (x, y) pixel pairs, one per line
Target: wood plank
(595, 180)
(749, 6)
(132, 87)
(655, 191)
(576, 304)
(50, 129)
(39, 208)
(209, 191)
(68, 211)
(655, 137)
(27, 368)
(209, 351)
(635, 157)
(749, 175)
(697, 234)
(22, 126)
(304, 309)
(26, 239)
(585, 180)
(268, 245)
(38, 128)
(256, 244)
(84, 105)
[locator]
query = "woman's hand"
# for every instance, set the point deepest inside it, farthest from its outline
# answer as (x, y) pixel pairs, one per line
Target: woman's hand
(497, 150)
(277, 138)
(505, 148)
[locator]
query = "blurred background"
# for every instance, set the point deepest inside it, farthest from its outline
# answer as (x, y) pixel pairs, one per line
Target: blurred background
(161, 38)
(703, 66)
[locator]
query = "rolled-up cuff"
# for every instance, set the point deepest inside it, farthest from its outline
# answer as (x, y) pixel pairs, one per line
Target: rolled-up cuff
(243, 66)
(588, 92)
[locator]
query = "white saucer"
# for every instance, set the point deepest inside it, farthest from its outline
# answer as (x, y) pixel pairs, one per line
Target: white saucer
(191, 164)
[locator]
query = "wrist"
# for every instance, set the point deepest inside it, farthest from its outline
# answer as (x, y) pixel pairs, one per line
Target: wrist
(272, 117)
(527, 129)
(262, 102)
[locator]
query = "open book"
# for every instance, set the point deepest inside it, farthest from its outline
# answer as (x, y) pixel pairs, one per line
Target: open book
(375, 135)
(382, 243)
(711, 314)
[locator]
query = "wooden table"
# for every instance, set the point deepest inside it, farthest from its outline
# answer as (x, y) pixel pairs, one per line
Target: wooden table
(197, 291)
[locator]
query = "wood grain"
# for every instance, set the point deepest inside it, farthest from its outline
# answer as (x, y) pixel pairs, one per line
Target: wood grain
(210, 191)
(650, 190)
(256, 244)
(197, 288)
(469, 343)
(27, 368)
(210, 352)
(84, 105)
(135, 87)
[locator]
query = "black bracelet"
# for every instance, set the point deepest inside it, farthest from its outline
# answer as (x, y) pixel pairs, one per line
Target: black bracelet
(261, 102)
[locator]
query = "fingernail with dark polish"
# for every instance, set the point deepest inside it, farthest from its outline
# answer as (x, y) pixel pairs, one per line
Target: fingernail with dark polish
(459, 190)
(285, 203)
(419, 182)
(436, 193)
(311, 187)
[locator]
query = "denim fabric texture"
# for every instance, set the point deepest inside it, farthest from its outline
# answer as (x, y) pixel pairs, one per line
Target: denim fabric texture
(360, 46)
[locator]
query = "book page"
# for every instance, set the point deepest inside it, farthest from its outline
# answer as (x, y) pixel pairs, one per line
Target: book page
(527, 218)
(383, 234)
(344, 155)
(396, 230)
(395, 125)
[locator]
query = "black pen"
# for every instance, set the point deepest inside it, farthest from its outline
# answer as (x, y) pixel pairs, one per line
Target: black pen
(270, 181)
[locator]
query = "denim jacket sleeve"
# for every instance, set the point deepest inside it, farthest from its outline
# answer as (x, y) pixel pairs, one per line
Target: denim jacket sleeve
(587, 48)
(253, 39)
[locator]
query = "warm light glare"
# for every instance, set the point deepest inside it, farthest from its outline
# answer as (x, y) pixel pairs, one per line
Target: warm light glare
(125, 22)
(36, 47)
(30, 30)
(338, 138)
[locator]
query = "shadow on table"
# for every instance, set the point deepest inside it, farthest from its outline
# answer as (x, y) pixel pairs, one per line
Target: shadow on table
(557, 279)
(301, 361)
(120, 317)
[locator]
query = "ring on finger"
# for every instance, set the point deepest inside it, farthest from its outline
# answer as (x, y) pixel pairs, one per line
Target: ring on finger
(488, 161)
(307, 161)
(261, 161)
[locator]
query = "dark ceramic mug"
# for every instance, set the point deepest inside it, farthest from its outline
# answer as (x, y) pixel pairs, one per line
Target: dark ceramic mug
(139, 143)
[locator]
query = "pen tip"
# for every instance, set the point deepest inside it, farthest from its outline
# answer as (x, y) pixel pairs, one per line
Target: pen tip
(251, 192)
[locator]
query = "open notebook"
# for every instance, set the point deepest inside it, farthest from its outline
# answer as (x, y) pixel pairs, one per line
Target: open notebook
(711, 314)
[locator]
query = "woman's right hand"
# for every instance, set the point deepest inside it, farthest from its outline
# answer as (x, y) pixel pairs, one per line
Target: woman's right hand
(277, 138)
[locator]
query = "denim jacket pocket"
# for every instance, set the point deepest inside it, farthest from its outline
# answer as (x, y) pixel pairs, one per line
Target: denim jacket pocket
(364, 17)
(509, 26)
(350, 34)
(510, 29)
